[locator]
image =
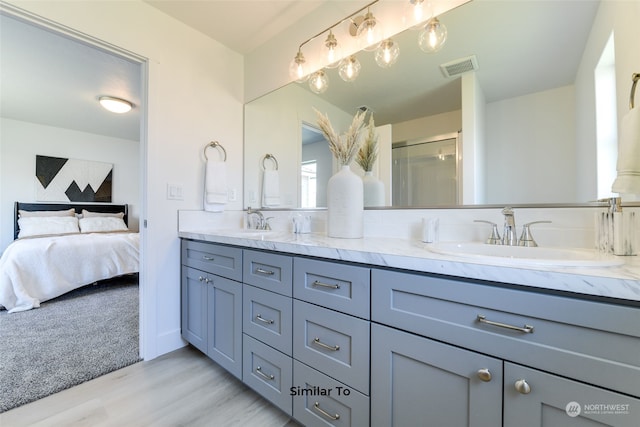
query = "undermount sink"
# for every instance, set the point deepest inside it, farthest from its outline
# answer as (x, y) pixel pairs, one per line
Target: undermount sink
(521, 255)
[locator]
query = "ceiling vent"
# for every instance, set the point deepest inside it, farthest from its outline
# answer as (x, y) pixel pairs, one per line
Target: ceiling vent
(459, 66)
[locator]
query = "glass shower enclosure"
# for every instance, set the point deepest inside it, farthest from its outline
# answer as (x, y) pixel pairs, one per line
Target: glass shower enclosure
(425, 172)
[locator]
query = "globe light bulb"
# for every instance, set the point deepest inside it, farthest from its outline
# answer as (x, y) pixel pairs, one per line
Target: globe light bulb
(433, 37)
(297, 68)
(319, 82)
(369, 32)
(349, 69)
(387, 53)
(332, 51)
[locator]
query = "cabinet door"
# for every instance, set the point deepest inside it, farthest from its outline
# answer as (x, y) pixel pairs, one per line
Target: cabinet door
(551, 401)
(416, 381)
(224, 323)
(194, 307)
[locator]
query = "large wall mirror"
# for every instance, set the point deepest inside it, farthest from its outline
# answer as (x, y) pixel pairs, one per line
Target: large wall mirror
(526, 118)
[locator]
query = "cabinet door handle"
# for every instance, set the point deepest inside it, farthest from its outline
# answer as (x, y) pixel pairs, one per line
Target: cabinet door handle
(522, 387)
(484, 375)
(325, 285)
(317, 407)
(263, 375)
(201, 279)
(527, 329)
(263, 271)
(208, 258)
(319, 343)
(263, 320)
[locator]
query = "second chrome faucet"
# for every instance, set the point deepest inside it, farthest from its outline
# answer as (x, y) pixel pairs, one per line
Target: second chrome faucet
(509, 236)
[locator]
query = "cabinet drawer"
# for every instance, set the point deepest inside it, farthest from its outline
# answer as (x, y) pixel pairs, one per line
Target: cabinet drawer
(344, 288)
(268, 372)
(225, 261)
(267, 317)
(595, 342)
(320, 401)
(272, 272)
(333, 343)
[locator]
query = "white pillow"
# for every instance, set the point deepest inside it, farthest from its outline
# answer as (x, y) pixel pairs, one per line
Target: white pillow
(102, 224)
(87, 214)
(25, 214)
(47, 226)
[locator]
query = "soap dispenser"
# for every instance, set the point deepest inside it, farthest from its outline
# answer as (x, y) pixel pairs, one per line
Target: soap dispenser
(616, 229)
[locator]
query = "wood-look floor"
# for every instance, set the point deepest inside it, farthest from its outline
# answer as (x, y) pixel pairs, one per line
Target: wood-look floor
(182, 388)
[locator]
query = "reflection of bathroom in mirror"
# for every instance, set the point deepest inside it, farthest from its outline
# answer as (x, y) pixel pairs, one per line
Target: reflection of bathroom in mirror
(528, 114)
(316, 167)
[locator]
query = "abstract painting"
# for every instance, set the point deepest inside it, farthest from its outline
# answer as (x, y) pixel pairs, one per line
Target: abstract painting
(70, 180)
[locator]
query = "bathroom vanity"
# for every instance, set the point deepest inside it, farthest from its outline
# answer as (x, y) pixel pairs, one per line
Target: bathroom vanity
(343, 332)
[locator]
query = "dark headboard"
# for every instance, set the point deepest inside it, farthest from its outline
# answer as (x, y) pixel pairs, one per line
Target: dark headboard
(106, 208)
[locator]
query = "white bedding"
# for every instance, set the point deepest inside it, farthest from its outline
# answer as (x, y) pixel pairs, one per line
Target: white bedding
(38, 269)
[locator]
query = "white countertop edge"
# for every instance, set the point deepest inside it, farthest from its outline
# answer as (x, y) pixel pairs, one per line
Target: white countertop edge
(621, 282)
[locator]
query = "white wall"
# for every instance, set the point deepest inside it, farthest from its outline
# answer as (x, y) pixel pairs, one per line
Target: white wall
(530, 148)
(621, 18)
(195, 95)
(22, 141)
(426, 127)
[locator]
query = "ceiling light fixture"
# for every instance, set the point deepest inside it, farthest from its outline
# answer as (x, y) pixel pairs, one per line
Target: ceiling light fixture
(387, 53)
(433, 37)
(115, 105)
(415, 12)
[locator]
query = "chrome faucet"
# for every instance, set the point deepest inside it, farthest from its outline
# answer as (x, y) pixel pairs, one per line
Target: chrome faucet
(509, 236)
(262, 223)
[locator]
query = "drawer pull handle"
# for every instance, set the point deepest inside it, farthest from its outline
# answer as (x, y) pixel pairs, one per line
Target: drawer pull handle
(208, 258)
(317, 407)
(319, 343)
(263, 375)
(484, 375)
(326, 285)
(527, 329)
(522, 387)
(263, 320)
(263, 271)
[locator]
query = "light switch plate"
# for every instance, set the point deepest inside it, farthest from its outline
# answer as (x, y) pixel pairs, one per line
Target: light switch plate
(174, 192)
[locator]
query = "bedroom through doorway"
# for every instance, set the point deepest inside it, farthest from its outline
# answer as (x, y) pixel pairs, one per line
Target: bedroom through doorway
(61, 74)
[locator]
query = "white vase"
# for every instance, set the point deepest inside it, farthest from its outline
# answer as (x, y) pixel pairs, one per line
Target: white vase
(373, 190)
(345, 210)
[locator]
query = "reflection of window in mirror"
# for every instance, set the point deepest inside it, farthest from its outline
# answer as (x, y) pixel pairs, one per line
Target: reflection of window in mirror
(315, 150)
(308, 184)
(606, 120)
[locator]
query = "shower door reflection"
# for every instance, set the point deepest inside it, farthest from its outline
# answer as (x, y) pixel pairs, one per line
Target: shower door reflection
(425, 172)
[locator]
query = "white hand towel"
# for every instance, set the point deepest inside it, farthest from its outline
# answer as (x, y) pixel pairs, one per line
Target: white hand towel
(215, 185)
(628, 166)
(270, 188)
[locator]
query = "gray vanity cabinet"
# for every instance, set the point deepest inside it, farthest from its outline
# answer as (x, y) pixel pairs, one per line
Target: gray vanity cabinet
(556, 351)
(211, 300)
(419, 381)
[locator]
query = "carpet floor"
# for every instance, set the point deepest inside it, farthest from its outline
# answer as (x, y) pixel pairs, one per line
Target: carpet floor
(68, 340)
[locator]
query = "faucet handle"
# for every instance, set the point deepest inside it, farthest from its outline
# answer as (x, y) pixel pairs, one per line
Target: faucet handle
(526, 239)
(267, 226)
(494, 239)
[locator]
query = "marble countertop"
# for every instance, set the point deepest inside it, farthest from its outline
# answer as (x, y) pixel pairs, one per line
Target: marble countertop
(620, 282)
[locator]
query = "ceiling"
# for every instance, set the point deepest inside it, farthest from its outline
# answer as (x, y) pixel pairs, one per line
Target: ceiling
(53, 80)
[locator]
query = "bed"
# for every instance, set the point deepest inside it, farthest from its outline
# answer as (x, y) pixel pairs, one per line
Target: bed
(61, 247)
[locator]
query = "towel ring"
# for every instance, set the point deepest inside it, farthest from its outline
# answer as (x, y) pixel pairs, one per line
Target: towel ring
(269, 157)
(634, 77)
(215, 144)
